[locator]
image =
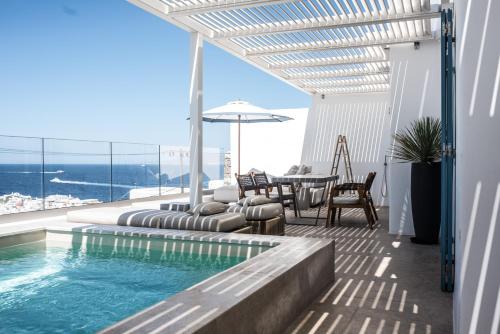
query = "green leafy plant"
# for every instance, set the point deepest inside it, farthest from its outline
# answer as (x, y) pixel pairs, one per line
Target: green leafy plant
(419, 142)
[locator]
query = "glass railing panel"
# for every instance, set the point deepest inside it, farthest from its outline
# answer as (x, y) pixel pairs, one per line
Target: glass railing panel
(174, 169)
(213, 167)
(175, 175)
(20, 174)
(135, 171)
(77, 172)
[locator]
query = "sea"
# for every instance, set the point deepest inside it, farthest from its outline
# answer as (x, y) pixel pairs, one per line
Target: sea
(93, 181)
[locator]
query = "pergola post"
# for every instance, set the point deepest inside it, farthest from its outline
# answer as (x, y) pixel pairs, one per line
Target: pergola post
(196, 120)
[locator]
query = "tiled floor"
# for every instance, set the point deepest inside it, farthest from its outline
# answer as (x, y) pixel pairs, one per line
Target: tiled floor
(383, 283)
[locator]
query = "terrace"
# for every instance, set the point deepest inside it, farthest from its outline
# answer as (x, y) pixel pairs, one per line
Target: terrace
(371, 67)
(383, 283)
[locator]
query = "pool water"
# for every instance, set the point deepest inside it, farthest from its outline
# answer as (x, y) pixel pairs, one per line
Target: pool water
(86, 284)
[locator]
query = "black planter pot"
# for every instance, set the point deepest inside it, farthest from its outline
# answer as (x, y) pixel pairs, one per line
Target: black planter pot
(426, 202)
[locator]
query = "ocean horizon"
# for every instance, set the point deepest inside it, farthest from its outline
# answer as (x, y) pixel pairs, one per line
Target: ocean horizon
(93, 181)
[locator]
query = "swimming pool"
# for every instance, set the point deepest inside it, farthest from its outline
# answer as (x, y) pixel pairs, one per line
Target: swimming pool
(77, 282)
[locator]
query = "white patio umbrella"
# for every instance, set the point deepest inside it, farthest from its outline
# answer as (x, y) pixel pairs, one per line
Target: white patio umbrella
(241, 112)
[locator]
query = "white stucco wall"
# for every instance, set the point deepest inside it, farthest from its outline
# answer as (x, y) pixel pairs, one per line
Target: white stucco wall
(415, 93)
(477, 291)
(272, 147)
(364, 120)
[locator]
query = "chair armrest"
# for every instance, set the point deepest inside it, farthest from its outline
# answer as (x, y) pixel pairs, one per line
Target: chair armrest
(348, 186)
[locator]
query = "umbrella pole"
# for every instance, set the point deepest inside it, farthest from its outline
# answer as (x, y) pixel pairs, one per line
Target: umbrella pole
(239, 135)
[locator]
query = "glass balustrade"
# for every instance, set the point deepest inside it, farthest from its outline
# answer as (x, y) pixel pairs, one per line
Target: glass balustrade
(21, 177)
(47, 173)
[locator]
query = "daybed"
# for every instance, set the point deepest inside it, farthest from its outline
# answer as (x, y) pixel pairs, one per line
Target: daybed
(220, 222)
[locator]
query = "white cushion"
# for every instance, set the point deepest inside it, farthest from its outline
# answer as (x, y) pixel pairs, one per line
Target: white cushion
(226, 194)
(293, 170)
(303, 169)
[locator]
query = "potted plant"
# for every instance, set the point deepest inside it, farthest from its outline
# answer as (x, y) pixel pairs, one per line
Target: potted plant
(420, 144)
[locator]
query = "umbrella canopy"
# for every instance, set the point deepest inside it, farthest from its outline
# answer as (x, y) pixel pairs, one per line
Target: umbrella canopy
(241, 112)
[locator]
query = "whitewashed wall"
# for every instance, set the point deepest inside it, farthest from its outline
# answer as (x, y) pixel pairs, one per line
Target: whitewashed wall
(477, 290)
(415, 93)
(364, 119)
(272, 147)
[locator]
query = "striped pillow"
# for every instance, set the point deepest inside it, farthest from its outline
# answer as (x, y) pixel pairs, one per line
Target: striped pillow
(208, 209)
(254, 200)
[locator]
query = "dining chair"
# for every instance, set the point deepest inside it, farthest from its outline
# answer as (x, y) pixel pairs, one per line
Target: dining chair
(352, 188)
(246, 183)
(360, 200)
(285, 198)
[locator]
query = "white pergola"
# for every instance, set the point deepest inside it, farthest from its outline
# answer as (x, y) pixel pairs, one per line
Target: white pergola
(317, 46)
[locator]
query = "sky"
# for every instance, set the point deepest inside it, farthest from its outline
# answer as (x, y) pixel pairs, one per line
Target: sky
(107, 70)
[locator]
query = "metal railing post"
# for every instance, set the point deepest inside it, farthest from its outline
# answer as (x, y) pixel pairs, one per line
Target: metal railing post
(43, 173)
(159, 170)
(181, 177)
(111, 171)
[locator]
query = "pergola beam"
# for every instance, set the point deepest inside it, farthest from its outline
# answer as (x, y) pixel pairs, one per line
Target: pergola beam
(333, 74)
(217, 6)
(345, 83)
(308, 47)
(367, 86)
(305, 25)
(320, 62)
(351, 91)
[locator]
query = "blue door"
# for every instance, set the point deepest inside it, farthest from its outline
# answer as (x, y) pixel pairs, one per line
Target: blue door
(447, 236)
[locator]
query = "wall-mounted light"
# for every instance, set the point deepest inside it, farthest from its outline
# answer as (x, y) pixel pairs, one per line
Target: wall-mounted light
(322, 96)
(416, 45)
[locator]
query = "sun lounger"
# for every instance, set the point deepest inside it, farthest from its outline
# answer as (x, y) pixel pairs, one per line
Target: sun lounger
(221, 222)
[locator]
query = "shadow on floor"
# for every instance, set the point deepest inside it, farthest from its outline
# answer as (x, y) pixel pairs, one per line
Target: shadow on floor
(383, 283)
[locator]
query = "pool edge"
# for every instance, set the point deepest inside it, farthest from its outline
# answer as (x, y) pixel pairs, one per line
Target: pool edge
(261, 295)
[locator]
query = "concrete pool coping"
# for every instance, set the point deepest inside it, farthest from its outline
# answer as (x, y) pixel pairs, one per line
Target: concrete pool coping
(263, 294)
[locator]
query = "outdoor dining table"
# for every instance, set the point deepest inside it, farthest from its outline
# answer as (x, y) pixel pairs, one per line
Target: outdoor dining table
(328, 180)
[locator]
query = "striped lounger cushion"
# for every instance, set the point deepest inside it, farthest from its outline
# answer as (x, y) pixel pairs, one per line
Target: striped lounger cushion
(175, 206)
(223, 222)
(258, 212)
